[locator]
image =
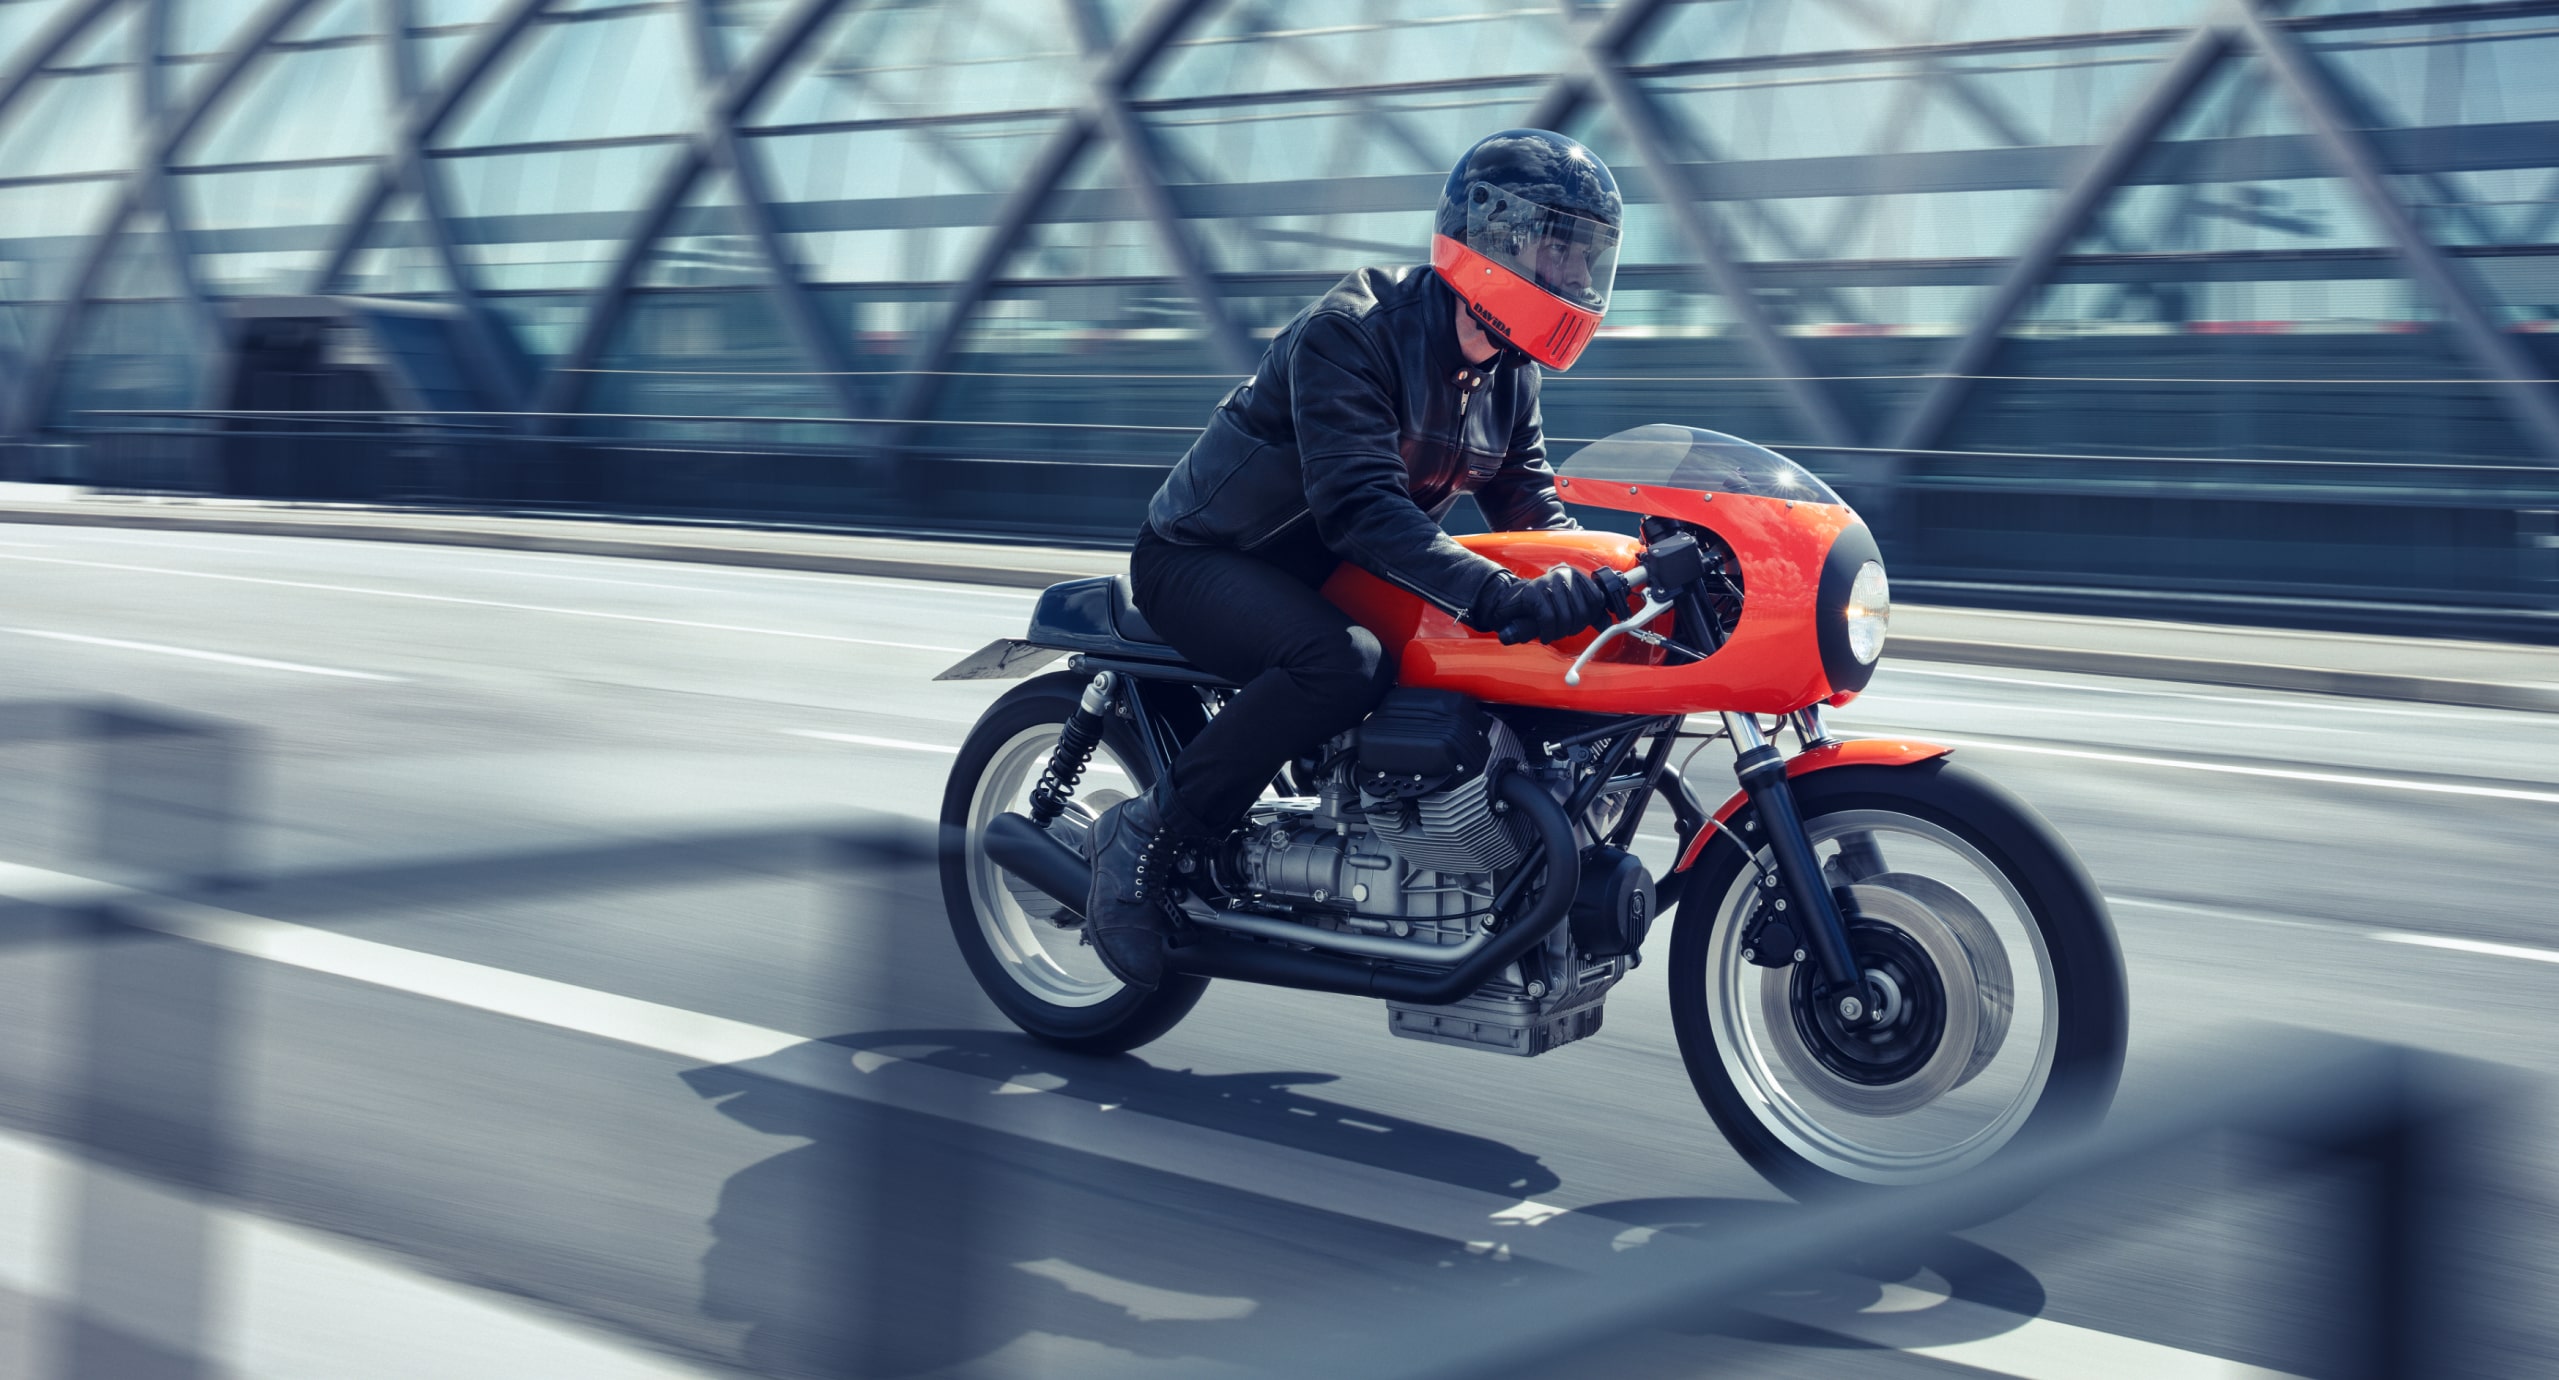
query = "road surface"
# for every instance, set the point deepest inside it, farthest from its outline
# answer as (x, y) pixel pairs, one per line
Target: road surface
(536, 1027)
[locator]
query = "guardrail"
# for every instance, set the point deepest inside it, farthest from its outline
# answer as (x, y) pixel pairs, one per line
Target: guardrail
(2463, 548)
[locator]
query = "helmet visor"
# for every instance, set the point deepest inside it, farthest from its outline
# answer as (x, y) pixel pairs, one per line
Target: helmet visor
(1573, 257)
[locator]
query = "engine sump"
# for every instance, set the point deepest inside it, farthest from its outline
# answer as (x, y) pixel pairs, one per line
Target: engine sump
(1516, 1024)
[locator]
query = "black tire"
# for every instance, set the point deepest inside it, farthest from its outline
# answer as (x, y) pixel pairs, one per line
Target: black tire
(2088, 997)
(1114, 1024)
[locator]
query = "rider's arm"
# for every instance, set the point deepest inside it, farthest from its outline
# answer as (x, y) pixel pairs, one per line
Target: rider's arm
(1349, 444)
(1521, 497)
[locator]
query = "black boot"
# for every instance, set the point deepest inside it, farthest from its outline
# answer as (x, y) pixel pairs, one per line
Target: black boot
(1129, 915)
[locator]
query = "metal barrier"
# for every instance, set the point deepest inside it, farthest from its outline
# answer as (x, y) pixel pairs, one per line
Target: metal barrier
(2377, 545)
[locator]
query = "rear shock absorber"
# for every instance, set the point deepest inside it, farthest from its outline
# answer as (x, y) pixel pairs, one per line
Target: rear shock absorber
(1074, 750)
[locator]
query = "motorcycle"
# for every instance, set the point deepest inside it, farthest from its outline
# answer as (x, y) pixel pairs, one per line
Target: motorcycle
(1885, 970)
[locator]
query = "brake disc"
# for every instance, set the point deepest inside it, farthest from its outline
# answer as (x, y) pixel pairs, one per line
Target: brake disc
(1991, 975)
(1937, 1065)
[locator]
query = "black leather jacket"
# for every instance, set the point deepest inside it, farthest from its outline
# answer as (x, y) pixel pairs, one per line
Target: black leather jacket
(1365, 419)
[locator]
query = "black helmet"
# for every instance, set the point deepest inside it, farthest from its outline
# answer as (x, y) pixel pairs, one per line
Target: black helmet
(1527, 236)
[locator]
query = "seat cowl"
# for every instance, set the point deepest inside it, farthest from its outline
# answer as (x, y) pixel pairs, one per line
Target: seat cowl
(1096, 615)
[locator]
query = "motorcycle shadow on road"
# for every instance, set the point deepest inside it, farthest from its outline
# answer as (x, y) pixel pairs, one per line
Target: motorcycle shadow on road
(929, 1222)
(1927, 1292)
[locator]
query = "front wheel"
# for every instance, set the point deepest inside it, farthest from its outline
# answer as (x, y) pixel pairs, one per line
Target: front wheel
(2003, 987)
(1037, 970)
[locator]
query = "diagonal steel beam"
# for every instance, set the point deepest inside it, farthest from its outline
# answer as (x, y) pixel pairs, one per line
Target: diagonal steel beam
(2525, 391)
(1153, 33)
(494, 357)
(715, 145)
(2202, 53)
(160, 191)
(138, 193)
(487, 355)
(1143, 162)
(1706, 242)
(1617, 32)
(65, 29)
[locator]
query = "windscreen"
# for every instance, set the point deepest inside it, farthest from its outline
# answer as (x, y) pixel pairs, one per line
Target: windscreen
(1687, 457)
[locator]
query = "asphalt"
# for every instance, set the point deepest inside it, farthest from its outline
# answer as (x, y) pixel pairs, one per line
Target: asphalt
(561, 998)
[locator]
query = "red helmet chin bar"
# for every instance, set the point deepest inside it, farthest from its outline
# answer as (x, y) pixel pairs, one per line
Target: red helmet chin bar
(1538, 323)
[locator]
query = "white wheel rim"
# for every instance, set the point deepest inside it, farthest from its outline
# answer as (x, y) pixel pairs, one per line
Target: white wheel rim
(1045, 962)
(1966, 1102)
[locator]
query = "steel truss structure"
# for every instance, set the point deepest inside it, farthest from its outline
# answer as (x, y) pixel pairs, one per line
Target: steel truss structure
(1736, 254)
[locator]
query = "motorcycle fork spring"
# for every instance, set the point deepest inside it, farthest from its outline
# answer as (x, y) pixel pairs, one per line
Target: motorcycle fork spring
(1074, 751)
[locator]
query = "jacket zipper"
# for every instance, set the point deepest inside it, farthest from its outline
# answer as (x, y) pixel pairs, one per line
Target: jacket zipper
(1468, 382)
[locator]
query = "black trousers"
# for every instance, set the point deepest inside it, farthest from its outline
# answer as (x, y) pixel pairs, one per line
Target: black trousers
(1307, 671)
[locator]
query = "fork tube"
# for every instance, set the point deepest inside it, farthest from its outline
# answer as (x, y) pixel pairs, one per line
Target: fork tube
(1762, 769)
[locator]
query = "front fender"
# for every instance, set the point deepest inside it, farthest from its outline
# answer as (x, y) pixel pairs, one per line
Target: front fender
(1860, 752)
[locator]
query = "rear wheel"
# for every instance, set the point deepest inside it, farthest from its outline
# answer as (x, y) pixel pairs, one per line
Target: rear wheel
(2002, 986)
(1026, 951)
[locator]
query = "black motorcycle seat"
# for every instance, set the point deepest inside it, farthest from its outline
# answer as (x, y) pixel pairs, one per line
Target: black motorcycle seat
(1131, 623)
(1096, 615)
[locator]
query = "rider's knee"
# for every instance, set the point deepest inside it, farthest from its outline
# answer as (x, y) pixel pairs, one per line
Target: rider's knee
(1351, 670)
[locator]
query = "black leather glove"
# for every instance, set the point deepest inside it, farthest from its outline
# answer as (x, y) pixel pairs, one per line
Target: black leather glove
(1550, 608)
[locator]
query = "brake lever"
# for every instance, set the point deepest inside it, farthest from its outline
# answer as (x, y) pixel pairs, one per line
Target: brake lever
(1654, 607)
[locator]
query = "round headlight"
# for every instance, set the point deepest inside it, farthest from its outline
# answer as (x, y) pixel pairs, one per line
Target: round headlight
(1870, 613)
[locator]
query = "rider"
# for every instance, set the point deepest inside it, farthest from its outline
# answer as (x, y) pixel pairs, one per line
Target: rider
(1394, 393)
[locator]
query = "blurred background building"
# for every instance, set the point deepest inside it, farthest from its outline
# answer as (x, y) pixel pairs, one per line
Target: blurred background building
(2223, 307)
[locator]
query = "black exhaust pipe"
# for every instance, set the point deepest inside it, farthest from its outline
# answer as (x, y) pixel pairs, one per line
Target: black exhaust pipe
(1039, 857)
(1032, 854)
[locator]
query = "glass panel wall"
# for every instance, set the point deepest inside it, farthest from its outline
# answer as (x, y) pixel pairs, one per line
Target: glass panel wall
(1856, 229)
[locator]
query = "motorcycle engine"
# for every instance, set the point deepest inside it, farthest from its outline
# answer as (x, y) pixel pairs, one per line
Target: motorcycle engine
(1403, 840)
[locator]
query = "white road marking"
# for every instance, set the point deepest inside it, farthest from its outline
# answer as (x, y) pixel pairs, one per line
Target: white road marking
(2325, 778)
(910, 745)
(2007, 1343)
(2305, 700)
(226, 658)
(285, 1303)
(2348, 929)
(1876, 702)
(246, 542)
(2468, 946)
(908, 587)
(490, 604)
(2338, 927)
(2018, 1345)
(866, 740)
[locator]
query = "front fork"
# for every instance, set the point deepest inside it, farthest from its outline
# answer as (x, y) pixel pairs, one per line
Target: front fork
(1824, 912)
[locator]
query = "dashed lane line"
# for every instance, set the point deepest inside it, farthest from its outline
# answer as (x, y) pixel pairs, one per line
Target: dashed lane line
(866, 740)
(2325, 778)
(197, 654)
(2325, 704)
(2468, 946)
(1890, 702)
(2015, 1345)
(910, 745)
(490, 604)
(164, 538)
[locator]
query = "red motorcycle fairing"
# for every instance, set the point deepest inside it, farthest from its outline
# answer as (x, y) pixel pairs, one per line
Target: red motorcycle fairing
(1771, 664)
(1860, 752)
